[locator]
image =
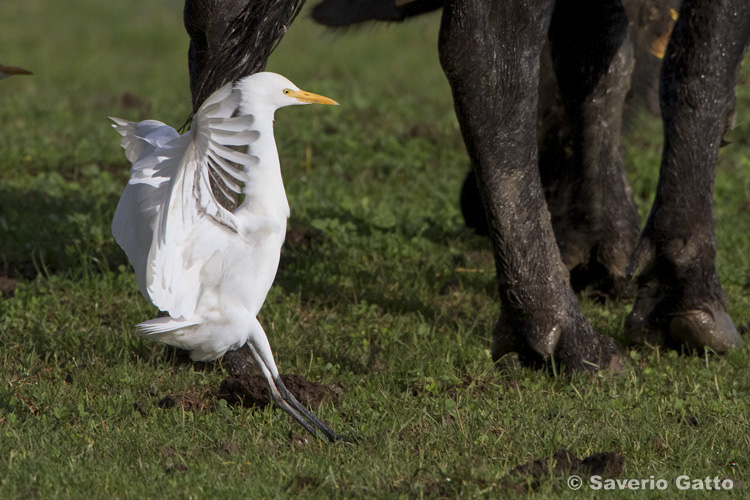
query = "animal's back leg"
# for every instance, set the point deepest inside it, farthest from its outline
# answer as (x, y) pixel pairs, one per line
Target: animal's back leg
(680, 300)
(597, 224)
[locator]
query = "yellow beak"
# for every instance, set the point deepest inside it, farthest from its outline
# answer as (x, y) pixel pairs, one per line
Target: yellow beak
(311, 98)
(10, 70)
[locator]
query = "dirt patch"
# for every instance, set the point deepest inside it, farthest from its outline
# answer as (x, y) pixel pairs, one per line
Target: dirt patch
(239, 363)
(248, 390)
(252, 391)
(608, 464)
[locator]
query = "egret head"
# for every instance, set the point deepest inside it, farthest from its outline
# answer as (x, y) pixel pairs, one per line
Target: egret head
(271, 91)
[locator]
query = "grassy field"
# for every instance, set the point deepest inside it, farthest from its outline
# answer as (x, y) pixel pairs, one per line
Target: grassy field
(382, 294)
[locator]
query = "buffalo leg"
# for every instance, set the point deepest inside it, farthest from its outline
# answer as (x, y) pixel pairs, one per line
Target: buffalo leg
(599, 227)
(490, 51)
(680, 300)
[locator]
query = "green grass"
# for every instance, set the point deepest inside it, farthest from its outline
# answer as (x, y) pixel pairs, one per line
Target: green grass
(391, 297)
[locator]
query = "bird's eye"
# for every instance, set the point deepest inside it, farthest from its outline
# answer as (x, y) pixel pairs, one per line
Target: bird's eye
(287, 91)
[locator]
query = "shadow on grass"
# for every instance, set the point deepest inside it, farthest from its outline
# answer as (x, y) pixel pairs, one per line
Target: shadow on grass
(329, 256)
(57, 228)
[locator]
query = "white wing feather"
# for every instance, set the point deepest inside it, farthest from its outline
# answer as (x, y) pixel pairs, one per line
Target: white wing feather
(137, 136)
(132, 225)
(191, 225)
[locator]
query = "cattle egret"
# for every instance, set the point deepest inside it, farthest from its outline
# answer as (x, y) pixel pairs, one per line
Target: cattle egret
(210, 268)
(6, 71)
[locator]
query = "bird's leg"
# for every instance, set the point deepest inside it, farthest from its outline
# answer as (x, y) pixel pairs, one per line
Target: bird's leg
(261, 351)
(288, 398)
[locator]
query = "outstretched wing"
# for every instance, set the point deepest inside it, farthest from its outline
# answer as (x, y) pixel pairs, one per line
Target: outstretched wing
(173, 272)
(133, 222)
(142, 136)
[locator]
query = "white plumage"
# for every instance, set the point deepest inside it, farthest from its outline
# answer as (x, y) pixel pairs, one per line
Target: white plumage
(209, 268)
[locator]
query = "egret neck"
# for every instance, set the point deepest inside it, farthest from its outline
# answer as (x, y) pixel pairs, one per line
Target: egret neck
(264, 191)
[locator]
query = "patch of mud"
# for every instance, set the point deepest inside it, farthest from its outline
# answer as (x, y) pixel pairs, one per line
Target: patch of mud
(239, 362)
(608, 464)
(252, 391)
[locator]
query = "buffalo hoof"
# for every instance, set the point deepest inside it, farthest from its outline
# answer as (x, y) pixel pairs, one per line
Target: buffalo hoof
(680, 303)
(571, 345)
(709, 327)
(712, 329)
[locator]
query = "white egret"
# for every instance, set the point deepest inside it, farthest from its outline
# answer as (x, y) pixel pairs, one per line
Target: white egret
(210, 268)
(6, 71)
